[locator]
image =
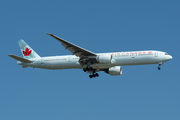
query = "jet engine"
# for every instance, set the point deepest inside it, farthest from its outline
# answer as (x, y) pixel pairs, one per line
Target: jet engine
(117, 70)
(104, 59)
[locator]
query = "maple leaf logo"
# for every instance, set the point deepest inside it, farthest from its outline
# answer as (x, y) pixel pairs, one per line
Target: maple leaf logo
(27, 52)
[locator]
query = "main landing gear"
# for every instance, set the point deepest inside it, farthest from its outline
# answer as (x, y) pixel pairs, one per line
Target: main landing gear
(94, 75)
(91, 70)
(159, 68)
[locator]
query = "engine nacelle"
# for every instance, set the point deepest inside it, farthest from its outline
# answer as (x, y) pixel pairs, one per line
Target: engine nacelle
(117, 70)
(104, 59)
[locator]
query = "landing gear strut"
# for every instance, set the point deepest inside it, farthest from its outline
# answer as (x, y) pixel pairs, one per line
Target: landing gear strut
(159, 68)
(88, 69)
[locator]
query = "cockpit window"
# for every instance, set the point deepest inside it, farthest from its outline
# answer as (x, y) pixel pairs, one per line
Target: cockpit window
(166, 54)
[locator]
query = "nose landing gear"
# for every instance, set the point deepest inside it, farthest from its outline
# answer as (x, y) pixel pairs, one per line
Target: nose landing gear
(159, 68)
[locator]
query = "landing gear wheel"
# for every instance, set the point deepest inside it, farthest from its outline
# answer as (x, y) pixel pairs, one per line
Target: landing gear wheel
(84, 69)
(97, 75)
(90, 76)
(90, 69)
(94, 75)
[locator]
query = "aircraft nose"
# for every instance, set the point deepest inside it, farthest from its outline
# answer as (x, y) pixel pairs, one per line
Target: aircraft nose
(170, 57)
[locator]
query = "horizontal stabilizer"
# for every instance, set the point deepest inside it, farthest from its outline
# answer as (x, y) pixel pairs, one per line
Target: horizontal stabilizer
(20, 59)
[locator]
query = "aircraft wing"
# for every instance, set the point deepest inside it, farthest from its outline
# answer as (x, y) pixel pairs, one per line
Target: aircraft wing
(76, 50)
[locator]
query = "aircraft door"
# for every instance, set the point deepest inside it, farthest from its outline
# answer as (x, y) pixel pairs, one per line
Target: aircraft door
(69, 59)
(42, 61)
(156, 54)
(133, 55)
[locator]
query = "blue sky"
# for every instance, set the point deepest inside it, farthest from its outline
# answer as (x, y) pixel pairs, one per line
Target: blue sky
(142, 92)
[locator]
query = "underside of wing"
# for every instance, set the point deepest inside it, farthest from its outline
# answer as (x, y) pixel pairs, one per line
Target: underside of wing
(76, 50)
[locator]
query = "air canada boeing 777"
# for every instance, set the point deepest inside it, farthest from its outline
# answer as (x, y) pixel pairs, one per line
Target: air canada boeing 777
(88, 61)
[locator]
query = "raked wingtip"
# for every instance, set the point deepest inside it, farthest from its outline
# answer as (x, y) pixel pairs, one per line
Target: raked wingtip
(49, 34)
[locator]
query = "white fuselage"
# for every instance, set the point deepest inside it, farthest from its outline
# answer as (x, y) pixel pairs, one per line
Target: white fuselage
(118, 59)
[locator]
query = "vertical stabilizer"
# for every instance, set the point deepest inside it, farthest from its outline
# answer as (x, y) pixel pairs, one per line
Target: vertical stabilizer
(26, 50)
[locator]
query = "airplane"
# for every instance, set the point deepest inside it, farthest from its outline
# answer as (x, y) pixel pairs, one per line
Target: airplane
(90, 62)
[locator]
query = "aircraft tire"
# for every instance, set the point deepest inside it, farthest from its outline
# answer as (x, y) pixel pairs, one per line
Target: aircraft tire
(159, 68)
(97, 75)
(90, 76)
(84, 69)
